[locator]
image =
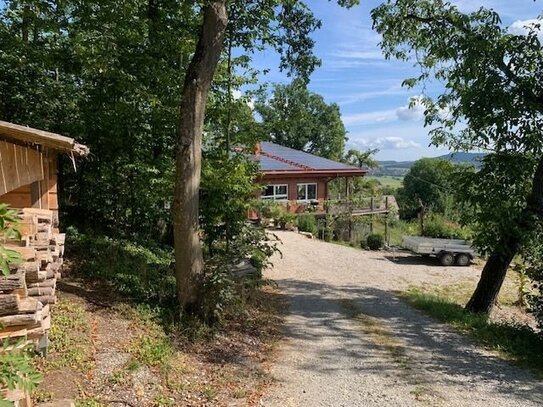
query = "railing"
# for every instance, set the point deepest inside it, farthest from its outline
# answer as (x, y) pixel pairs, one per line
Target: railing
(361, 206)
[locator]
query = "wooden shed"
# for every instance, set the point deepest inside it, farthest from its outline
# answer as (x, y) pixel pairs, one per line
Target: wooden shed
(28, 182)
(28, 165)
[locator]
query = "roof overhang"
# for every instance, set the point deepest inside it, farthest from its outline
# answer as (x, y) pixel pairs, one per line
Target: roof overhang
(317, 173)
(28, 135)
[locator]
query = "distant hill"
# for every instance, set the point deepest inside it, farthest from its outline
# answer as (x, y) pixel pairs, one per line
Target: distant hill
(400, 168)
(463, 158)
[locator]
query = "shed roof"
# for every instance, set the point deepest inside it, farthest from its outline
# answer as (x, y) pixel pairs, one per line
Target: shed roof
(43, 138)
(274, 158)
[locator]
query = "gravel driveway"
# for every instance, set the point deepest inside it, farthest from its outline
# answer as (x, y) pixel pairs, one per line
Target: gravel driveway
(351, 342)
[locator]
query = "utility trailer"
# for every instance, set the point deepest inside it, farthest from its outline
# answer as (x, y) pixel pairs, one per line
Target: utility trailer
(447, 251)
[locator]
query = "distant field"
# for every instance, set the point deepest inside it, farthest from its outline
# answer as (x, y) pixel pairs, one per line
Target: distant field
(388, 180)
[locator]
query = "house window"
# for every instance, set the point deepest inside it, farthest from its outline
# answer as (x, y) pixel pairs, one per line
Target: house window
(307, 192)
(275, 192)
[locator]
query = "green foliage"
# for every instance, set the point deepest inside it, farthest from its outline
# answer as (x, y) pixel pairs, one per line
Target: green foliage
(307, 223)
(16, 370)
(226, 196)
(8, 230)
(297, 118)
(517, 342)
(438, 226)
(375, 241)
(362, 159)
(286, 218)
(70, 337)
(491, 100)
(152, 350)
(134, 271)
(269, 209)
(429, 181)
(523, 284)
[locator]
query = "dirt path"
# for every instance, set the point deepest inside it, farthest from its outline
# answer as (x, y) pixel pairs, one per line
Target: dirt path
(351, 342)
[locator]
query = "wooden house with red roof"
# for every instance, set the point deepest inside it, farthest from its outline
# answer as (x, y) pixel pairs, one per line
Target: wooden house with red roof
(299, 179)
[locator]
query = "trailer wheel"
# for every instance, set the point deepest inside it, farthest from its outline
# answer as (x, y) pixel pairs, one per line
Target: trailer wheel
(463, 260)
(446, 259)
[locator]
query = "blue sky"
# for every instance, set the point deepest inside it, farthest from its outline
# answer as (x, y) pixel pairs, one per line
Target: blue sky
(367, 87)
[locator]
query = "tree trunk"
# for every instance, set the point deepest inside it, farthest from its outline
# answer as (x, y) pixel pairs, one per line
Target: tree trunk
(188, 251)
(485, 295)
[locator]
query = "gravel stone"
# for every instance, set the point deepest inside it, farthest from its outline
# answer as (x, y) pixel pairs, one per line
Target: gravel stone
(329, 359)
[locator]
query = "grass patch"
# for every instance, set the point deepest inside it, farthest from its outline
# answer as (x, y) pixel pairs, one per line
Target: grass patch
(134, 272)
(388, 180)
(514, 342)
(70, 337)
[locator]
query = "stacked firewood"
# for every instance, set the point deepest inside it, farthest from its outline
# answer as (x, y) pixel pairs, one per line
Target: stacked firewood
(26, 294)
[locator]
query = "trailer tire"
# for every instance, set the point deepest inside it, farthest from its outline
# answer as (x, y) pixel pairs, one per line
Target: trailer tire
(463, 260)
(446, 259)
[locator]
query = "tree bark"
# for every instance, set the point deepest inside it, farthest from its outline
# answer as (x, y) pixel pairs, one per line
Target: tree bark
(485, 295)
(189, 262)
(493, 275)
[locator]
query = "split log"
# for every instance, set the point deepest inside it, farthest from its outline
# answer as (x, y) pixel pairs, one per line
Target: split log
(12, 282)
(58, 239)
(46, 299)
(35, 275)
(27, 253)
(50, 273)
(28, 267)
(9, 304)
(52, 282)
(55, 266)
(41, 291)
(42, 215)
(21, 319)
(13, 332)
(45, 311)
(29, 305)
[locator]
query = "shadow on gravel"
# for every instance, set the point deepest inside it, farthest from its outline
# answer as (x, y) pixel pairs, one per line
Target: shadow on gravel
(434, 352)
(411, 259)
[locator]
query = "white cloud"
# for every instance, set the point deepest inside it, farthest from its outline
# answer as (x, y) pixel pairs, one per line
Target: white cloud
(411, 113)
(523, 27)
(386, 143)
(354, 97)
(359, 54)
(403, 113)
(379, 116)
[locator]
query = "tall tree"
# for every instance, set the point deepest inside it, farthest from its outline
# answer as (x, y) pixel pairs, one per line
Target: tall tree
(283, 24)
(297, 118)
(493, 100)
(428, 181)
(188, 251)
(362, 159)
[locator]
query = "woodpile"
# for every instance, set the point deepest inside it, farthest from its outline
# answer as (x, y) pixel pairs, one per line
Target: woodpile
(28, 292)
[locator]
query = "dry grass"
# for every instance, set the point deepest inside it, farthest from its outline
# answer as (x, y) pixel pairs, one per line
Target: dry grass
(159, 365)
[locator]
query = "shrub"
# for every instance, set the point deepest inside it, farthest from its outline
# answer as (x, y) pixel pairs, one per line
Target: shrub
(133, 271)
(375, 241)
(16, 369)
(286, 218)
(269, 209)
(307, 223)
(439, 227)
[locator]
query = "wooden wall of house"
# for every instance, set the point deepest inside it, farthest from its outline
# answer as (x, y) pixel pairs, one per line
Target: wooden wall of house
(38, 194)
(292, 182)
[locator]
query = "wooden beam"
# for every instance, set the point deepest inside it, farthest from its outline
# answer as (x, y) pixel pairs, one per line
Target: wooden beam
(42, 138)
